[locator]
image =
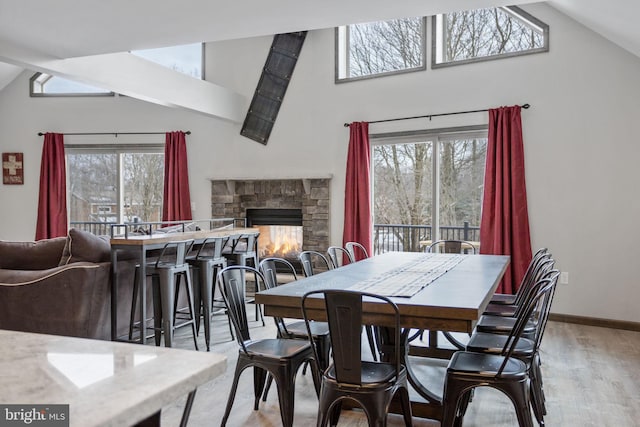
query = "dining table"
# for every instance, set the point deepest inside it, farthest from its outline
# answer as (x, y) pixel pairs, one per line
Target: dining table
(77, 382)
(139, 246)
(433, 292)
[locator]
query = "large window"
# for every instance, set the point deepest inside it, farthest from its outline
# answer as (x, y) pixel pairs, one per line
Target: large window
(427, 187)
(380, 48)
(115, 183)
(481, 34)
(187, 59)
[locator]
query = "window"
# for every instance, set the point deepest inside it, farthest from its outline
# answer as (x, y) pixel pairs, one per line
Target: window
(115, 183)
(380, 48)
(419, 196)
(482, 34)
(42, 84)
(187, 59)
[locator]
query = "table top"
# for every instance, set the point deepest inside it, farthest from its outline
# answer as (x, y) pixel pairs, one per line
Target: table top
(104, 383)
(141, 240)
(453, 301)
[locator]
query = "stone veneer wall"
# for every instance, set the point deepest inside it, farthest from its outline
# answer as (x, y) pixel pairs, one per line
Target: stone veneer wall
(231, 198)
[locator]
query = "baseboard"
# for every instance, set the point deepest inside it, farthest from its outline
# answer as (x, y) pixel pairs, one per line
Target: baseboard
(594, 321)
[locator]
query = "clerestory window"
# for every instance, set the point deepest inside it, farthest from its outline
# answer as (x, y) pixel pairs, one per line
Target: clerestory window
(484, 34)
(380, 48)
(187, 59)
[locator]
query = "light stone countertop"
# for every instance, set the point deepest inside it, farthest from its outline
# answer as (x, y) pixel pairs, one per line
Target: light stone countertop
(105, 383)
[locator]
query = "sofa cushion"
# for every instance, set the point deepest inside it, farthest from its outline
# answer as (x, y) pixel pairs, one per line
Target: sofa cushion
(39, 255)
(85, 246)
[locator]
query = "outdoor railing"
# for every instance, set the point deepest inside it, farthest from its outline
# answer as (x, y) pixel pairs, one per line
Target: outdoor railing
(407, 238)
(113, 228)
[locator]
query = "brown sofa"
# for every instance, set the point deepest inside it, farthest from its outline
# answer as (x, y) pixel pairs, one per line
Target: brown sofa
(62, 286)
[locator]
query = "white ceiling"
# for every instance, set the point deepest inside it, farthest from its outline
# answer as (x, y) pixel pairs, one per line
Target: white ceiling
(36, 34)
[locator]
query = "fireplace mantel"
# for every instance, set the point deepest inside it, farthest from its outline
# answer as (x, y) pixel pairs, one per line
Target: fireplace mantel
(306, 180)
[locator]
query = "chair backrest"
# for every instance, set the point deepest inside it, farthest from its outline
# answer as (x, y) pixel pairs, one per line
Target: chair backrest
(452, 247)
(541, 300)
(536, 262)
(344, 310)
(211, 248)
(233, 283)
(357, 251)
(174, 253)
(245, 244)
(339, 256)
(540, 270)
(308, 260)
(268, 268)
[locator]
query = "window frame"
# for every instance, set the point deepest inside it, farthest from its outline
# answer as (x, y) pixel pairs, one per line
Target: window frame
(341, 52)
(119, 150)
(508, 9)
(34, 94)
(435, 136)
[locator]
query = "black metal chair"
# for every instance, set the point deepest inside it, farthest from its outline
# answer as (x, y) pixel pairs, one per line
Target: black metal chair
(358, 252)
(372, 385)
(280, 357)
(452, 247)
(509, 299)
(297, 329)
(240, 249)
(526, 349)
(166, 274)
(502, 370)
(338, 255)
(313, 262)
(206, 262)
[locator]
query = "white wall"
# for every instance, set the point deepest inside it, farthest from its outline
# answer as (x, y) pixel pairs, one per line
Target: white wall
(580, 141)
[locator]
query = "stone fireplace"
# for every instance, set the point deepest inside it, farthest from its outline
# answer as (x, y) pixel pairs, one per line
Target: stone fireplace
(233, 197)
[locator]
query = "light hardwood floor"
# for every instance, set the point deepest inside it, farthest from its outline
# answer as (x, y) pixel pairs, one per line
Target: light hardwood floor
(591, 378)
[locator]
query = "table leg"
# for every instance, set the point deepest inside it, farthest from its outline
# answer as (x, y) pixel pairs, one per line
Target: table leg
(114, 294)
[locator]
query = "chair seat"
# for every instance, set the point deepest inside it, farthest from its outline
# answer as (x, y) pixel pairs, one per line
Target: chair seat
(507, 299)
(481, 342)
(280, 348)
(299, 330)
(486, 365)
(373, 374)
(500, 310)
(501, 325)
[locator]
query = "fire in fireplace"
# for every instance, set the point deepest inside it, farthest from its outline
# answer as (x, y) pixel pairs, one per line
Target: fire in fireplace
(280, 231)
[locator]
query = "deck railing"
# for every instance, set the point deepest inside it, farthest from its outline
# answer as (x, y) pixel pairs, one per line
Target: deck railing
(407, 238)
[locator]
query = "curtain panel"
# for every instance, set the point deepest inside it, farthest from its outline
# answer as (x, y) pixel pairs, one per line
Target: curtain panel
(358, 225)
(52, 200)
(176, 203)
(504, 226)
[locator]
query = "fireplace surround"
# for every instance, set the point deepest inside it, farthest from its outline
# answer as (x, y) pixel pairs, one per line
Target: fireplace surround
(230, 198)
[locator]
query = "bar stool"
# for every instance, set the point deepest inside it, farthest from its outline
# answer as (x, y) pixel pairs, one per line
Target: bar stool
(166, 273)
(207, 261)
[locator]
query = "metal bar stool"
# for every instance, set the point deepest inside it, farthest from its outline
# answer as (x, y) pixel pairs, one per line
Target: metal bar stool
(166, 273)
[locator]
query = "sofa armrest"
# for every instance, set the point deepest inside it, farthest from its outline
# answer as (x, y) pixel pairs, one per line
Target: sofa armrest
(71, 300)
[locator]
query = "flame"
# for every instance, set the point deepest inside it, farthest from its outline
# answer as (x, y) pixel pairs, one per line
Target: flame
(282, 241)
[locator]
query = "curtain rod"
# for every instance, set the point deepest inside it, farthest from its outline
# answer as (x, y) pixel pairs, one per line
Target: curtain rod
(429, 116)
(188, 132)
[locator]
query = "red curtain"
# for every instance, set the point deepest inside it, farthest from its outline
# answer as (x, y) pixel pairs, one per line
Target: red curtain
(504, 227)
(52, 200)
(176, 204)
(358, 226)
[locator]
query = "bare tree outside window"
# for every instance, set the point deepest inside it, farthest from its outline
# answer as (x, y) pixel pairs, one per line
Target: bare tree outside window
(487, 33)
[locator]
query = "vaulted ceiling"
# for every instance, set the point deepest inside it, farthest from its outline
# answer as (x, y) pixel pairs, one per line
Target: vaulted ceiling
(88, 40)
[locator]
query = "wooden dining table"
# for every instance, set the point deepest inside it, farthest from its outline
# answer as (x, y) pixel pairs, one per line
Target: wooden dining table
(140, 245)
(452, 300)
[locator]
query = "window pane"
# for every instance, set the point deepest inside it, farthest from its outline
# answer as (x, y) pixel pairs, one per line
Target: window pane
(93, 187)
(402, 185)
(461, 178)
(45, 84)
(380, 47)
(143, 186)
(186, 59)
(483, 33)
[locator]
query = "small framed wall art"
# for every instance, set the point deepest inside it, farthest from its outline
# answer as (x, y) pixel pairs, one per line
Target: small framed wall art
(12, 169)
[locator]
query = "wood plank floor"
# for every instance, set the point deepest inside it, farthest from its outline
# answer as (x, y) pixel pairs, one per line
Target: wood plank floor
(591, 377)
